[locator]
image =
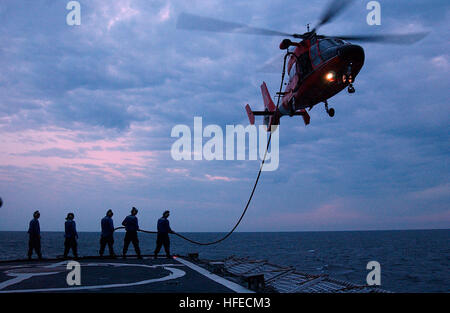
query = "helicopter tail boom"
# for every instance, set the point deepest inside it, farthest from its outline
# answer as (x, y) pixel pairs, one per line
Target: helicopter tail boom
(270, 116)
(271, 113)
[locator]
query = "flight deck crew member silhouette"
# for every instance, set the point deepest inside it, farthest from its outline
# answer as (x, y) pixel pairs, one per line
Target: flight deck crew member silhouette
(131, 226)
(71, 236)
(34, 231)
(163, 235)
(107, 236)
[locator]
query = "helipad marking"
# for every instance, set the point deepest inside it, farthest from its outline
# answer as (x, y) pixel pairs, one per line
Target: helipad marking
(21, 277)
(175, 273)
(229, 284)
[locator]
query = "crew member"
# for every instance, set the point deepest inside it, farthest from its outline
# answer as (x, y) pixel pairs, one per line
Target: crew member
(71, 236)
(163, 235)
(34, 232)
(107, 236)
(131, 226)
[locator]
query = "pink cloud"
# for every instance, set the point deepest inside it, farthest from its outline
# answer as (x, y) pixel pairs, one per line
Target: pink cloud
(220, 178)
(114, 157)
(183, 171)
(437, 218)
(435, 192)
(329, 213)
(164, 13)
(339, 212)
(119, 11)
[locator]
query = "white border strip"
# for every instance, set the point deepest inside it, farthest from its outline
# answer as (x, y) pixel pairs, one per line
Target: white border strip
(233, 286)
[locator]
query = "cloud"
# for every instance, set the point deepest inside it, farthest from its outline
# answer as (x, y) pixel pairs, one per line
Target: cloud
(441, 62)
(182, 171)
(165, 13)
(334, 211)
(121, 11)
(440, 218)
(219, 178)
(113, 156)
(432, 193)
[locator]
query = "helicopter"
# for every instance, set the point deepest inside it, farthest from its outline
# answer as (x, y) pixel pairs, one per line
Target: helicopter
(318, 66)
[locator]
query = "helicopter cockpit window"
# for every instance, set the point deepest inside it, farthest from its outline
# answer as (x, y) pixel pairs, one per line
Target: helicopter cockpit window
(305, 65)
(314, 53)
(325, 44)
(325, 51)
(339, 41)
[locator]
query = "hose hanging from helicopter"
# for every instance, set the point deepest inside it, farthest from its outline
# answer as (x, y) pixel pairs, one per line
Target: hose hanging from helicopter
(251, 194)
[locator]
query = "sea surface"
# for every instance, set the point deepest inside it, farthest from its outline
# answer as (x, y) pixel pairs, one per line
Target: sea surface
(411, 260)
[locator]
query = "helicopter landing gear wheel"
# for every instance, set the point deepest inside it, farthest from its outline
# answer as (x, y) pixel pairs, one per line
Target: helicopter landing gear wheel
(351, 89)
(329, 111)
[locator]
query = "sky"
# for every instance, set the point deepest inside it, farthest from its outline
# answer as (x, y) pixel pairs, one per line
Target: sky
(86, 114)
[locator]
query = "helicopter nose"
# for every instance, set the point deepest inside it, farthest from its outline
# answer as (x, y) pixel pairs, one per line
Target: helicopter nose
(352, 53)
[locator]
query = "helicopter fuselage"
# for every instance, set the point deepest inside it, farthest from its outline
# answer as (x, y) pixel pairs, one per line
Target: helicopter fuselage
(319, 69)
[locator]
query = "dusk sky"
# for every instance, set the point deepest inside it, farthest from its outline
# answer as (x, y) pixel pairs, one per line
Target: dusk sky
(86, 114)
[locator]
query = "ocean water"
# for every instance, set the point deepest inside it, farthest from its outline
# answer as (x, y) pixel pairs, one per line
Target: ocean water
(411, 260)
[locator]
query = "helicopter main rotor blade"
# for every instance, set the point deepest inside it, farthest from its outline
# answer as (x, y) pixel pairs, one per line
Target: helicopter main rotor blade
(272, 65)
(194, 22)
(401, 39)
(334, 8)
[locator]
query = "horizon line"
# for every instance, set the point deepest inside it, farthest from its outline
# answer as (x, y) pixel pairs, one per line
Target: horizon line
(270, 231)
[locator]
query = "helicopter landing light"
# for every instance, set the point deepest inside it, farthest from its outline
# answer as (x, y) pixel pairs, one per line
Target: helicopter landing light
(330, 77)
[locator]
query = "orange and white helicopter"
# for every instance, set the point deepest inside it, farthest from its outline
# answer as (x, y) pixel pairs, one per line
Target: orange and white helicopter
(318, 66)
